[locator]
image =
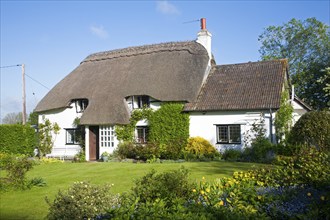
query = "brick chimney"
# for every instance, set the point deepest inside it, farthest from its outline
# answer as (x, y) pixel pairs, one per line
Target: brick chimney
(204, 37)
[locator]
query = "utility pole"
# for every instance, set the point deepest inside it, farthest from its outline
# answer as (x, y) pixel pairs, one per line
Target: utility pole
(23, 95)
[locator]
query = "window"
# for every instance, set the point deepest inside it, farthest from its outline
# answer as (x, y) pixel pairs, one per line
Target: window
(71, 136)
(143, 101)
(81, 105)
(107, 136)
(229, 134)
(142, 134)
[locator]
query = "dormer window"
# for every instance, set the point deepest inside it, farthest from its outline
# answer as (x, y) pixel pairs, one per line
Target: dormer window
(81, 105)
(137, 102)
(143, 101)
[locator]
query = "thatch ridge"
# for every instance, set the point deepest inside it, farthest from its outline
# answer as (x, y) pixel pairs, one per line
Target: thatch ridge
(188, 46)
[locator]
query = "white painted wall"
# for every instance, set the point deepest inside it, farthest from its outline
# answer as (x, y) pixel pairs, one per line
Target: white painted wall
(298, 111)
(203, 124)
(64, 118)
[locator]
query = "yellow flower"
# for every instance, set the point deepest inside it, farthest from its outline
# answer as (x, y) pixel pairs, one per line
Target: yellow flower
(309, 194)
(322, 198)
(194, 190)
(221, 203)
(207, 190)
(202, 192)
(203, 178)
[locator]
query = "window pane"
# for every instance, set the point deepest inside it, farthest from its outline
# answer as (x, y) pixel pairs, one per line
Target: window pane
(69, 137)
(235, 134)
(223, 133)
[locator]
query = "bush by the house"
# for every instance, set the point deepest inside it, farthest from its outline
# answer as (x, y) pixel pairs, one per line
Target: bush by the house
(147, 151)
(312, 129)
(126, 150)
(79, 157)
(261, 151)
(232, 155)
(82, 201)
(17, 139)
(173, 150)
(200, 148)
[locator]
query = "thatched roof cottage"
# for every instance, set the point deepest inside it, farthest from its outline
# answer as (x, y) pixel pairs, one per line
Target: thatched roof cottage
(221, 99)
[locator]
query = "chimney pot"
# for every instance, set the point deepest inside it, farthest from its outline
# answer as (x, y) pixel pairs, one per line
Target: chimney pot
(203, 23)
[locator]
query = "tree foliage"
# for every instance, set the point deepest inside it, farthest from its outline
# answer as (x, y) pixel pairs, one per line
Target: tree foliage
(306, 44)
(313, 129)
(13, 118)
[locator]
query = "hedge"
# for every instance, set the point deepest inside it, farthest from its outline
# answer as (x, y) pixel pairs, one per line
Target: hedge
(17, 139)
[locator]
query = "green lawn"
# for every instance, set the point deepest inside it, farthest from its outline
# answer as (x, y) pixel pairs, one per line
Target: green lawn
(30, 204)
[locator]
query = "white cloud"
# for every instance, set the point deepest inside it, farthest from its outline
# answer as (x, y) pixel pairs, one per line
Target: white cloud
(167, 8)
(99, 31)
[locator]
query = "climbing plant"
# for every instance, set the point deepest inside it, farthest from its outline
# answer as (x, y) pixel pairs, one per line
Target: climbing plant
(169, 128)
(126, 132)
(46, 132)
(283, 119)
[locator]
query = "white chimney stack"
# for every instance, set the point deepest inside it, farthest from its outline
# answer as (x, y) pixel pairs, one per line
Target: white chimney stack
(204, 37)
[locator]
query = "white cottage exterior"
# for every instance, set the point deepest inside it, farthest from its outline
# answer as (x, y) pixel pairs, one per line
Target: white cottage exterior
(222, 101)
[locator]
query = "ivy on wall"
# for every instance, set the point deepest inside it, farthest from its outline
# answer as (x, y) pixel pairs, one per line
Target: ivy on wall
(126, 132)
(168, 125)
(283, 119)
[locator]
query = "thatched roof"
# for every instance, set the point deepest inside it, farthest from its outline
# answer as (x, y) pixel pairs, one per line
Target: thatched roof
(245, 86)
(166, 72)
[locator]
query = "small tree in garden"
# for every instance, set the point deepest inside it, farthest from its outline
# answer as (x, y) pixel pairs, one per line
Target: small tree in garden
(312, 129)
(46, 132)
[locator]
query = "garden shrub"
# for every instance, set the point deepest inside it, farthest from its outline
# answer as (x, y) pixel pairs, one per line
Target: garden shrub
(198, 148)
(295, 190)
(169, 186)
(79, 157)
(17, 139)
(232, 155)
(173, 150)
(81, 201)
(16, 166)
(261, 151)
(147, 151)
(126, 150)
(312, 129)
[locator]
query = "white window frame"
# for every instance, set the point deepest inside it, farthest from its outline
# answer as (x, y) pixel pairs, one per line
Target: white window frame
(145, 136)
(107, 136)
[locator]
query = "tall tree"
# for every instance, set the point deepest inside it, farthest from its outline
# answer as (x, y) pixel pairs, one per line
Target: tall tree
(306, 44)
(13, 118)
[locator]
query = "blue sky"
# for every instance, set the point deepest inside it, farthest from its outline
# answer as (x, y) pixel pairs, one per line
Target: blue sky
(52, 37)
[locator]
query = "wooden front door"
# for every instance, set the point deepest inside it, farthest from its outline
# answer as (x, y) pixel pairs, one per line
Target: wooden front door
(93, 143)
